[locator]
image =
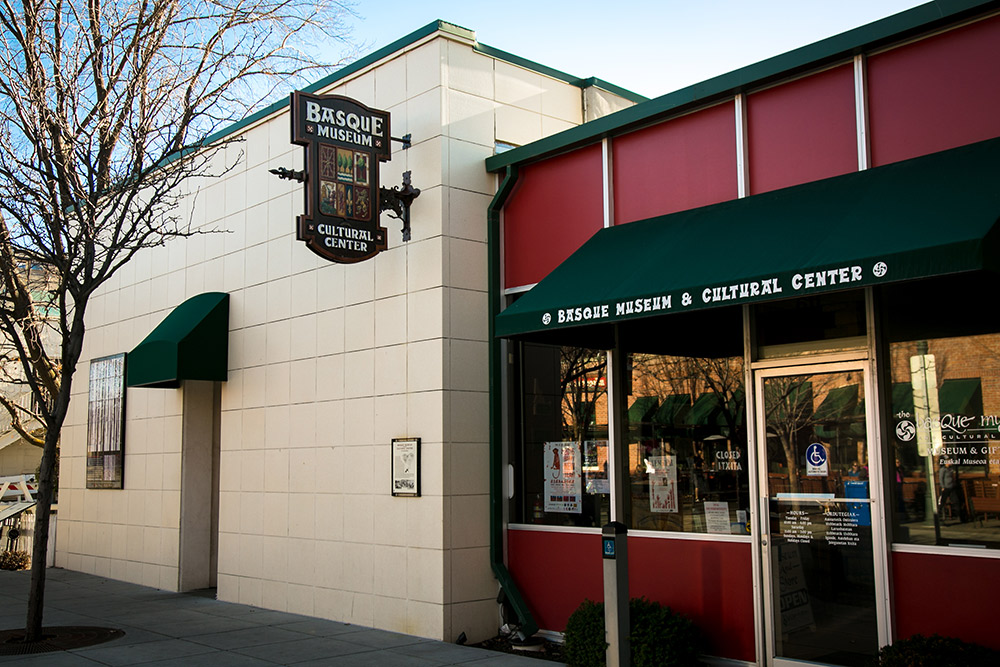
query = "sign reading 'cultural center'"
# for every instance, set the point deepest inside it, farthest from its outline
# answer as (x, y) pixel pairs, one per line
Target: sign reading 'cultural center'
(344, 142)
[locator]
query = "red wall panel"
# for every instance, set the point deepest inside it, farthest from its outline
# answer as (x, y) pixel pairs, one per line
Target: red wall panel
(676, 165)
(934, 94)
(555, 572)
(952, 596)
(803, 130)
(709, 581)
(555, 206)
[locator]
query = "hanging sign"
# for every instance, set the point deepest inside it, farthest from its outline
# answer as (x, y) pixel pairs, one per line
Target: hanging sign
(561, 461)
(344, 142)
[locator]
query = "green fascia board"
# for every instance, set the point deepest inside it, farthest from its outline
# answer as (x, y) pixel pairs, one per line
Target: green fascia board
(588, 82)
(191, 343)
(814, 56)
(924, 217)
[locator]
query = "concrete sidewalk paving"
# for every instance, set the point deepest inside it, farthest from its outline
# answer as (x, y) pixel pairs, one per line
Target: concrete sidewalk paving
(164, 628)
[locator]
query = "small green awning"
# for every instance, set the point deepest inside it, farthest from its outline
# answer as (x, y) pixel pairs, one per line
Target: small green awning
(191, 343)
(924, 217)
(956, 396)
(642, 409)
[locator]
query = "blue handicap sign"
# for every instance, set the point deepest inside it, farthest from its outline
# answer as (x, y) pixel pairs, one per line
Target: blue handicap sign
(816, 454)
(609, 547)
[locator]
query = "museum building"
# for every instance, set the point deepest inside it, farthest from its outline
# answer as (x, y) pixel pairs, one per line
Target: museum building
(751, 321)
(266, 385)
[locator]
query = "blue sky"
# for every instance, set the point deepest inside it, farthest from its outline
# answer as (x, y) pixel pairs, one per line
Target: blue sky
(649, 47)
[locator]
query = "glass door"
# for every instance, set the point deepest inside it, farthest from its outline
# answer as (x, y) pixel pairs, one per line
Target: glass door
(818, 545)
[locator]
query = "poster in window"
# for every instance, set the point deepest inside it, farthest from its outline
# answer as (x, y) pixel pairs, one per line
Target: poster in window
(562, 474)
(595, 466)
(662, 472)
(405, 457)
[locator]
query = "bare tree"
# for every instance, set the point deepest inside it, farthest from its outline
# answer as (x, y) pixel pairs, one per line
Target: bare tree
(583, 382)
(107, 107)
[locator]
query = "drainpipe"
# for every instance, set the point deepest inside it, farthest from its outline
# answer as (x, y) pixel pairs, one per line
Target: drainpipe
(527, 623)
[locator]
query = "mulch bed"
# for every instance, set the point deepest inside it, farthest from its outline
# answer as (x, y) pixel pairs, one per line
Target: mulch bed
(546, 651)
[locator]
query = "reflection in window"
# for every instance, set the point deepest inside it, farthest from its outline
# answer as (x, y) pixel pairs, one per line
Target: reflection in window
(945, 429)
(687, 444)
(106, 423)
(561, 460)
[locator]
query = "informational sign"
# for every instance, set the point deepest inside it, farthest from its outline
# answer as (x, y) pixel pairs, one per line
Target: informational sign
(817, 462)
(595, 466)
(796, 605)
(662, 483)
(562, 474)
(406, 466)
(344, 142)
(717, 517)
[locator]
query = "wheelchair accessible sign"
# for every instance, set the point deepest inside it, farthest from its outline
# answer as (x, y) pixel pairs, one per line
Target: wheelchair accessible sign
(817, 462)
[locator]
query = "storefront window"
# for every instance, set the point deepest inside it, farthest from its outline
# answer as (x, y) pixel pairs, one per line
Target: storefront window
(561, 458)
(944, 427)
(687, 444)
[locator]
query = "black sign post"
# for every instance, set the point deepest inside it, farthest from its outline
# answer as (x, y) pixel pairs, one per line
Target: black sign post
(344, 142)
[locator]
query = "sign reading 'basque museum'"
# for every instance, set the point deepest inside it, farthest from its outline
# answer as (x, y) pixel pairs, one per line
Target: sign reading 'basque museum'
(344, 142)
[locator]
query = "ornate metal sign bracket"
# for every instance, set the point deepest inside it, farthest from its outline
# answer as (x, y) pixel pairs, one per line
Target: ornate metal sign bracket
(397, 202)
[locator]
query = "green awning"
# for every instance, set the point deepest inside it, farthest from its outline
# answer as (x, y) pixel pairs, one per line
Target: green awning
(956, 396)
(924, 217)
(672, 410)
(642, 408)
(191, 343)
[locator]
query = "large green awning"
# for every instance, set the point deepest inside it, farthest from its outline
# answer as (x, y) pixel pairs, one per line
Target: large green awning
(924, 217)
(191, 343)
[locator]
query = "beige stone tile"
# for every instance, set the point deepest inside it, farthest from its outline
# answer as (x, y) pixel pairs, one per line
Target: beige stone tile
(304, 331)
(330, 332)
(274, 555)
(468, 314)
(359, 326)
(562, 101)
(359, 472)
(469, 365)
(390, 377)
(390, 83)
(300, 599)
(469, 71)
(468, 469)
(277, 427)
(470, 118)
(390, 321)
(362, 88)
(468, 416)
(359, 427)
(301, 515)
(250, 591)
(302, 379)
(253, 428)
(277, 386)
(426, 365)
(470, 520)
(274, 595)
(478, 620)
(303, 426)
(425, 314)
(552, 126)
(303, 294)
(467, 261)
(467, 214)
(471, 576)
(302, 463)
(423, 68)
(518, 87)
(426, 517)
(425, 570)
(275, 515)
(389, 517)
(358, 518)
(329, 517)
(426, 414)
(518, 126)
(279, 259)
(275, 471)
(360, 284)
(359, 373)
(390, 418)
(359, 562)
(466, 166)
(390, 573)
(251, 515)
(279, 299)
(389, 613)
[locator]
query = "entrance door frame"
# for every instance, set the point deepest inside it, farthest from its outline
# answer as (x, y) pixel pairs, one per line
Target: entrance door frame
(856, 360)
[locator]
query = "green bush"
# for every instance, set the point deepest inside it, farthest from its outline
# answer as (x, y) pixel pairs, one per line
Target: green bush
(14, 560)
(936, 651)
(658, 636)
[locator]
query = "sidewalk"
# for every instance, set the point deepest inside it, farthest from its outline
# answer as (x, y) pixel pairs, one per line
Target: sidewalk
(163, 628)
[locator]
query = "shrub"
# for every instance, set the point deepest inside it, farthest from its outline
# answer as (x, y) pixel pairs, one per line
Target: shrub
(936, 651)
(658, 636)
(14, 560)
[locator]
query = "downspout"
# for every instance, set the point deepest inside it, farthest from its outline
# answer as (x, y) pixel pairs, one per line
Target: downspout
(528, 626)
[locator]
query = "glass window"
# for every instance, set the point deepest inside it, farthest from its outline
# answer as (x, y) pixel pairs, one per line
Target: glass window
(561, 452)
(811, 325)
(687, 444)
(106, 423)
(944, 416)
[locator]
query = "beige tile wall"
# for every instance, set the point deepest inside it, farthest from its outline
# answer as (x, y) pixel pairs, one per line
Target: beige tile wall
(327, 363)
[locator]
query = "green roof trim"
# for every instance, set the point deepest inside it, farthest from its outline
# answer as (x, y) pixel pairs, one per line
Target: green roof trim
(928, 216)
(408, 40)
(820, 54)
(191, 343)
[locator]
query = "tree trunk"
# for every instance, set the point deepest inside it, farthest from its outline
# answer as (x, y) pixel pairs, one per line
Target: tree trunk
(40, 545)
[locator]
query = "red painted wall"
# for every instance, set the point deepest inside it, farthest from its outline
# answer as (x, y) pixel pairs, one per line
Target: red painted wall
(555, 206)
(555, 572)
(937, 93)
(802, 131)
(677, 165)
(712, 582)
(709, 581)
(949, 595)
